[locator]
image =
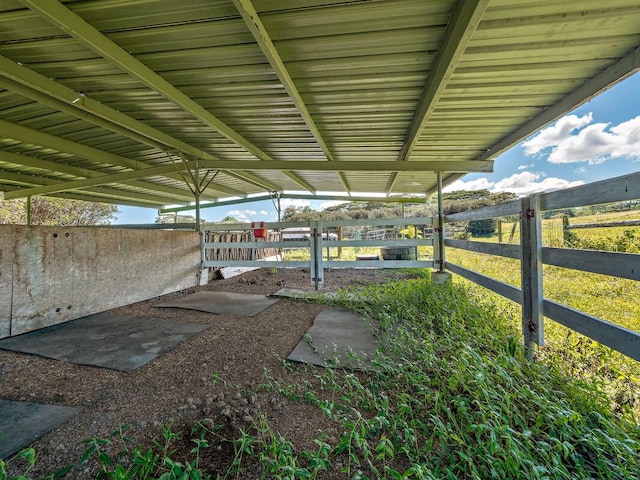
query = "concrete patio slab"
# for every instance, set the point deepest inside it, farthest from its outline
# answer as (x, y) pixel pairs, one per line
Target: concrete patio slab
(333, 339)
(248, 305)
(118, 342)
(23, 422)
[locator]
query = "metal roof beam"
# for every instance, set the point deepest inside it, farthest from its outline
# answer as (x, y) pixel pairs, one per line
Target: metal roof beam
(623, 68)
(262, 37)
(463, 166)
(28, 161)
(91, 182)
(30, 136)
(110, 193)
(299, 197)
(30, 84)
(82, 31)
(464, 20)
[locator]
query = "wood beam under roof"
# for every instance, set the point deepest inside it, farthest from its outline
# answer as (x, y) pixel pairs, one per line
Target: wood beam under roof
(262, 37)
(464, 20)
(82, 31)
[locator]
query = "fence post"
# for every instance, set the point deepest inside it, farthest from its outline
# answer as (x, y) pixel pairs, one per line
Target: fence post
(315, 230)
(531, 272)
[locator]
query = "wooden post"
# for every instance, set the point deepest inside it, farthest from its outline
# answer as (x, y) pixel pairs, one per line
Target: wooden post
(531, 273)
(499, 231)
(339, 239)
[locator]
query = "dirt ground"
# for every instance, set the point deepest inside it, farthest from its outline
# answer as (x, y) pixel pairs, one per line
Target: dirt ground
(177, 389)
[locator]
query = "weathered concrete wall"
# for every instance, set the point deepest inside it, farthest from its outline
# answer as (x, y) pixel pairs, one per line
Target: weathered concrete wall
(54, 274)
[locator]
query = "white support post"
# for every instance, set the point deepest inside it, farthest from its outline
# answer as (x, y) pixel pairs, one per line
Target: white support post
(531, 261)
(317, 269)
(439, 276)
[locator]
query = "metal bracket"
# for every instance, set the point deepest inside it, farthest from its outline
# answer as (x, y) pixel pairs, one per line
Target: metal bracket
(530, 213)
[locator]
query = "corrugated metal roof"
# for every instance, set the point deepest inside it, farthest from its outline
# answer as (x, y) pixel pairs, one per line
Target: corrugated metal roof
(119, 100)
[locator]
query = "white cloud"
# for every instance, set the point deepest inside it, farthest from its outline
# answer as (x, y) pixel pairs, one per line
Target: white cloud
(238, 215)
(593, 143)
(245, 215)
(523, 183)
(526, 183)
(556, 133)
(524, 167)
(478, 184)
(264, 213)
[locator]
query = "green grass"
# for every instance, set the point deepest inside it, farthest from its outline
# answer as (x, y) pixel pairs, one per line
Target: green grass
(450, 395)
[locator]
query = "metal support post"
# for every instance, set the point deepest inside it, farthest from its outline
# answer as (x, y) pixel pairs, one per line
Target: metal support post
(29, 210)
(440, 225)
(196, 192)
(315, 230)
(531, 261)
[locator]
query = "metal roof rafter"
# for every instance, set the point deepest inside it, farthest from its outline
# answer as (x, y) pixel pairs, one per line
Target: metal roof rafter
(30, 136)
(351, 166)
(623, 68)
(464, 20)
(262, 37)
(82, 31)
(46, 91)
(108, 192)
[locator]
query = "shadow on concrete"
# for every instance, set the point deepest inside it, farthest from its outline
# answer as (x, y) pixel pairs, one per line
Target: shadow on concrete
(118, 342)
(338, 338)
(245, 304)
(22, 422)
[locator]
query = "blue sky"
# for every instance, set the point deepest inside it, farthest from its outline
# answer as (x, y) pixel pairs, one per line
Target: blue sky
(600, 139)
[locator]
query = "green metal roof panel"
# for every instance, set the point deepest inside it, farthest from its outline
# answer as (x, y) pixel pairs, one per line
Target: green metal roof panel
(115, 87)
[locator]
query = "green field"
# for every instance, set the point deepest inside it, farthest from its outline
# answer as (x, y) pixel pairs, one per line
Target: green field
(609, 298)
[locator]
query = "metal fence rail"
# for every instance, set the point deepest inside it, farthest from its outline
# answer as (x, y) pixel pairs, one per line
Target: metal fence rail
(533, 255)
(318, 241)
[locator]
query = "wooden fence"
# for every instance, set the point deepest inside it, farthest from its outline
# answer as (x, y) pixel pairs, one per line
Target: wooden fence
(533, 255)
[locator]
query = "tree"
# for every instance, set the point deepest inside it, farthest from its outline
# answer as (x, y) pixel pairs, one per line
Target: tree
(56, 211)
(482, 228)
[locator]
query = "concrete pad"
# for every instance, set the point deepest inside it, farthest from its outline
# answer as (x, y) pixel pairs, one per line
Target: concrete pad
(333, 337)
(118, 342)
(228, 272)
(304, 294)
(248, 305)
(22, 422)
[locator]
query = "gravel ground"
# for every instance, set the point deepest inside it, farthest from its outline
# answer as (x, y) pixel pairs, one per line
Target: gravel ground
(177, 389)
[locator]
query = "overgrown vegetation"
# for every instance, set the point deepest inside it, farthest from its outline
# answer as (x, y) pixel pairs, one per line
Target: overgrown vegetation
(450, 395)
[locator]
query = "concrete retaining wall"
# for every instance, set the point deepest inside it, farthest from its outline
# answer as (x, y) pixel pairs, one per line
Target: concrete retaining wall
(50, 275)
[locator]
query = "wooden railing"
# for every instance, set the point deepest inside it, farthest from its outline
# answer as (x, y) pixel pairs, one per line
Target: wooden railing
(533, 255)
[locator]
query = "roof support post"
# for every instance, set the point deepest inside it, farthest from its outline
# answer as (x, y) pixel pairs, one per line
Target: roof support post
(196, 193)
(440, 225)
(29, 210)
